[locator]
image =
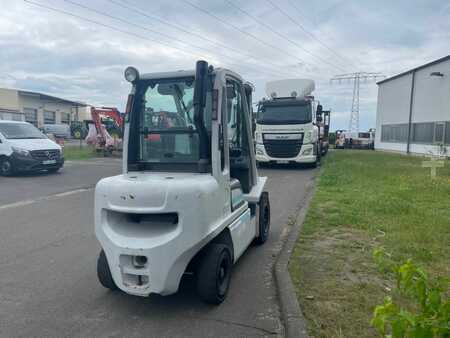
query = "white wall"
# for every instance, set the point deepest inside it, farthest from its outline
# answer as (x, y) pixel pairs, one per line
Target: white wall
(431, 103)
(432, 94)
(392, 108)
(9, 99)
(34, 102)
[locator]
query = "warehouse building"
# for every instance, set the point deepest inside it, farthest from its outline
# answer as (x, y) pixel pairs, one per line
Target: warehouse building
(38, 108)
(413, 111)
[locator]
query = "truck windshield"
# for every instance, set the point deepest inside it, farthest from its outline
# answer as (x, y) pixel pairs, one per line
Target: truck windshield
(284, 114)
(20, 131)
(165, 122)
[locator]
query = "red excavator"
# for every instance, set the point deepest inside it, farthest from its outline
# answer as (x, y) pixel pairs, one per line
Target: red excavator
(104, 119)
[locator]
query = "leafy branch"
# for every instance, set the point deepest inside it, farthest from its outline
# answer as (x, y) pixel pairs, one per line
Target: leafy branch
(431, 315)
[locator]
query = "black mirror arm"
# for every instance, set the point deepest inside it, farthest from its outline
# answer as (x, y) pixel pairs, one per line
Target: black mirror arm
(200, 89)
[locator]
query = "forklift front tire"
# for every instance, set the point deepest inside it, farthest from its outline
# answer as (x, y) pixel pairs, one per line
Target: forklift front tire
(104, 273)
(214, 273)
(264, 218)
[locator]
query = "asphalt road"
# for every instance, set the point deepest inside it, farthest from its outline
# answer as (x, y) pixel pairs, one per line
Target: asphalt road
(48, 252)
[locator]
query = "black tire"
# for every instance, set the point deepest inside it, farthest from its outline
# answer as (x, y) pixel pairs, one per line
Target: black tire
(318, 157)
(104, 273)
(77, 134)
(214, 273)
(6, 167)
(264, 218)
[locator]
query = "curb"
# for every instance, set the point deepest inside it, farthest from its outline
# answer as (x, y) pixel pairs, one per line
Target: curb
(291, 314)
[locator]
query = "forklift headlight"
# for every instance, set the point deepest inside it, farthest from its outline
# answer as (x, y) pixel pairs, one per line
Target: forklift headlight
(131, 74)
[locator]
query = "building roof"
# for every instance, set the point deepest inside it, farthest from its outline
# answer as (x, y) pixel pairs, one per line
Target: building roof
(51, 98)
(445, 58)
(43, 96)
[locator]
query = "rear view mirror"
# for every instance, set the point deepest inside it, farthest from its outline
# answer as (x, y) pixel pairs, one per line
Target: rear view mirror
(319, 109)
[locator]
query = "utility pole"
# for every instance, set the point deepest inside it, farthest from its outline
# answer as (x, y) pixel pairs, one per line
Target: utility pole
(353, 125)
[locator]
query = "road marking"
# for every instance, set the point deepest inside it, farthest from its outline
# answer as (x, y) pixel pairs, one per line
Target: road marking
(16, 204)
(44, 198)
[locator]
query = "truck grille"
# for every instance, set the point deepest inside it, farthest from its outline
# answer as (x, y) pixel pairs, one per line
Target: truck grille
(43, 155)
(282, 148)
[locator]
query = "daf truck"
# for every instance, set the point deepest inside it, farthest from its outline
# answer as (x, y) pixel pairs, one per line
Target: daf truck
(288, 124)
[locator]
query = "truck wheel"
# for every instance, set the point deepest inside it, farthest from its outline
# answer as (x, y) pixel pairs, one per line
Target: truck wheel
(77, 134)
(264, 218)
(318, 157)
(6, 167)
(104, 273)
(214, 273)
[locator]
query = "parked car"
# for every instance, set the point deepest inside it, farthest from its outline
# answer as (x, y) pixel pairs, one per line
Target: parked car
(355, 140)
(24, 148)
(59, 130)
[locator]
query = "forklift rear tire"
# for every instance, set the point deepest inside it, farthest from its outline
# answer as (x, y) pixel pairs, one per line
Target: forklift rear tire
(104, 273)
(264, 218)
(214, 273)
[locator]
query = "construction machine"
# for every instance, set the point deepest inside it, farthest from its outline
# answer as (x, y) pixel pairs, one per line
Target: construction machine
(189, 199)
(104, 119)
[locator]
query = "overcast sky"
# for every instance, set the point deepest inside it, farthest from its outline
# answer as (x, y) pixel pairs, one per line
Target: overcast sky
(59, 54)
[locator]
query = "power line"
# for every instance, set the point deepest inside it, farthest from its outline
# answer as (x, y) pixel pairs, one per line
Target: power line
(353, 125)
(262, 23)
(303, 16)
(134, 24)
(127, 5)
(254, 37)
(279, 9)
(118, 29)
(145, 28)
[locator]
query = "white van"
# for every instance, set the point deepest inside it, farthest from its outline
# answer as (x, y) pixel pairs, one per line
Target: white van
(24, 148)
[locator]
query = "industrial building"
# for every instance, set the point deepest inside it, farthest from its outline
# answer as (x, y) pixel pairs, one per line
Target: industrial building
(413, 111)
(38, 108)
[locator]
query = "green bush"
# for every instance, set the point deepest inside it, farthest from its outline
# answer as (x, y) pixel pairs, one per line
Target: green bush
(429, 314)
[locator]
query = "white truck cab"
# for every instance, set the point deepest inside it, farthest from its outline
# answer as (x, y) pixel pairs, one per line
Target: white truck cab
(286, 130)
(23, 148)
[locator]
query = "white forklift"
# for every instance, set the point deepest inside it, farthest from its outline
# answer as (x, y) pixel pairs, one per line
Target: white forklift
(189, 199)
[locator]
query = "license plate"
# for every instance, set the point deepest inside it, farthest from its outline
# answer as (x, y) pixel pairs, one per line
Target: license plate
(49, 162)
(283, 162)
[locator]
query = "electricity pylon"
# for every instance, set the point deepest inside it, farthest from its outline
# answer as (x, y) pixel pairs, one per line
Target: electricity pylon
(353, 125)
